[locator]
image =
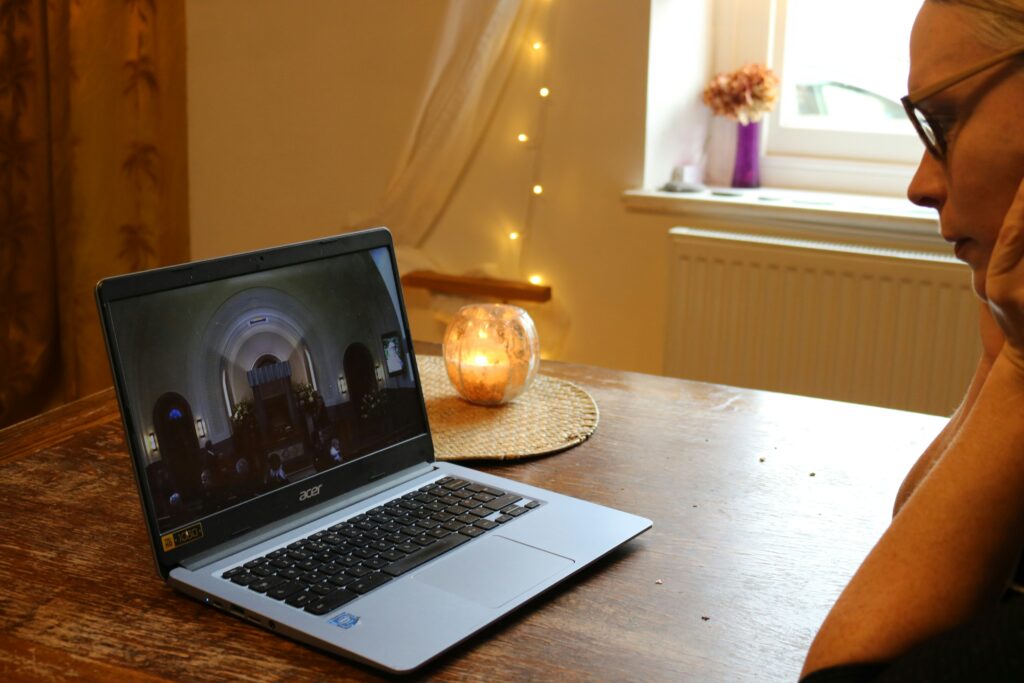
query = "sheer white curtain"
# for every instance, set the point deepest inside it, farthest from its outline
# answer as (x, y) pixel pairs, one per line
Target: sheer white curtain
(479, 44)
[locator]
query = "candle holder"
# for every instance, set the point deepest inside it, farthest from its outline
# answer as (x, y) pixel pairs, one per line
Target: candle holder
(491, 353)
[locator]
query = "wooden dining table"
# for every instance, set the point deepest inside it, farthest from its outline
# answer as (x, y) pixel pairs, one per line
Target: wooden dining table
(763, 506)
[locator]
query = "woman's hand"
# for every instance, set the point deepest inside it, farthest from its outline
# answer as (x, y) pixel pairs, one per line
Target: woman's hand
(1004, 284)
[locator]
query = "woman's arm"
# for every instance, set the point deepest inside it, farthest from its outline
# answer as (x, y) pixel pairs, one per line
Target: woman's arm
(951, 549)
(991, 343)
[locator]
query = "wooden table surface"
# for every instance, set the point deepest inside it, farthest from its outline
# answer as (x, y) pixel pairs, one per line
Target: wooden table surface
(763, 506)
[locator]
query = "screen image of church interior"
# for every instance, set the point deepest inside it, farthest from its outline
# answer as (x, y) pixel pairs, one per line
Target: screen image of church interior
(247, 385)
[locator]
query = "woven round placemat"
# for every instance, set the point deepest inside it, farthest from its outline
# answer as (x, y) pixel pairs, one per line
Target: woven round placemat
(551, 416)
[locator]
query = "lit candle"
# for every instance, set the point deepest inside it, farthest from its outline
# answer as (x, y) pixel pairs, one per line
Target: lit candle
(484, 376)
(491, 352)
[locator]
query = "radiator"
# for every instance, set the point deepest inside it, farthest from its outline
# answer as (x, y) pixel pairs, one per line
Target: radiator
(877, 326)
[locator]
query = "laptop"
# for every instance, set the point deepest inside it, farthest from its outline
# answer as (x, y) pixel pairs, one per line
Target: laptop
(279, 439)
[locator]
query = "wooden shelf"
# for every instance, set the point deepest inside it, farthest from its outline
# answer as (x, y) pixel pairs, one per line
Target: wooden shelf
(463, 285)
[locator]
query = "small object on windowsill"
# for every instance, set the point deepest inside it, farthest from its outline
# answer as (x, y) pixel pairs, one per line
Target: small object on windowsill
(684, 179)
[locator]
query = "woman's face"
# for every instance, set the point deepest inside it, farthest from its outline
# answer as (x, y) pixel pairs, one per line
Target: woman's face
(975, 185)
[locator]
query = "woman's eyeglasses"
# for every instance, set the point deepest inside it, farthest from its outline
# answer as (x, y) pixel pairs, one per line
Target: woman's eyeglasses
(928, 128)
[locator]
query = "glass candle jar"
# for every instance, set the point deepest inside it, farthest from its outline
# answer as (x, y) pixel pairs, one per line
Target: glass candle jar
(491, 352)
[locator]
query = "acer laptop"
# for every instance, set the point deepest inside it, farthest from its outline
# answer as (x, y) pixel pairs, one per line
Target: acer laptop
(280, 443)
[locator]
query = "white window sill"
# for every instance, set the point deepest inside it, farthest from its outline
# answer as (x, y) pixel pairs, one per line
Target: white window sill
(863, 218)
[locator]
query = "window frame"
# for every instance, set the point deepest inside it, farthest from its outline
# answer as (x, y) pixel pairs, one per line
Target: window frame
(747, 31)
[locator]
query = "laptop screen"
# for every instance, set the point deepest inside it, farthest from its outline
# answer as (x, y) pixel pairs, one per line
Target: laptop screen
(242, 386)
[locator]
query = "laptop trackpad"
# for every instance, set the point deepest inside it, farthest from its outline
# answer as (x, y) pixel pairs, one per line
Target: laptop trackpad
(493, 570)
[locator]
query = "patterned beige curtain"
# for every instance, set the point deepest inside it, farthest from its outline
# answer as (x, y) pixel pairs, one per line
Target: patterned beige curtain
(93, 179)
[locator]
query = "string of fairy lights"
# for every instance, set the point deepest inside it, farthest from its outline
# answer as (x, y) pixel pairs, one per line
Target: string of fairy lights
(532, 140)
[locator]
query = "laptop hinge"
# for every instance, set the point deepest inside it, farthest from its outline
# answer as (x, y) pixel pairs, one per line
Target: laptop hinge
(296, 520)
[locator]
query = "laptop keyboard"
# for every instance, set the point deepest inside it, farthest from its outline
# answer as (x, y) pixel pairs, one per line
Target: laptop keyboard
(334, 566)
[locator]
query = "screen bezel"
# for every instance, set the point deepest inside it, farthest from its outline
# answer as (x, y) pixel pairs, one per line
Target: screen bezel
(269, 507)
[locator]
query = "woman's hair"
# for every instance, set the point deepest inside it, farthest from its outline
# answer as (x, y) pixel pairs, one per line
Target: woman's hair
(999, 23)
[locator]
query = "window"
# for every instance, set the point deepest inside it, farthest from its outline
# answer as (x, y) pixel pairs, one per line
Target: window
(843, 65)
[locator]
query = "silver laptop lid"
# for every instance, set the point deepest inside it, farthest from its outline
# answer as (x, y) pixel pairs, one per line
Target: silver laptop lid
(257, 385)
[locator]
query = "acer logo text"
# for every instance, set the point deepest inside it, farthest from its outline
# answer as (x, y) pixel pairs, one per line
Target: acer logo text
(310, 493)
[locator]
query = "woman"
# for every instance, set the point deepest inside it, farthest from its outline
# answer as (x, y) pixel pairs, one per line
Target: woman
(931, 600)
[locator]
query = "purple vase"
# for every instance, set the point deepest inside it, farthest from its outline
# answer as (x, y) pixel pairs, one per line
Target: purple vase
(747, 170)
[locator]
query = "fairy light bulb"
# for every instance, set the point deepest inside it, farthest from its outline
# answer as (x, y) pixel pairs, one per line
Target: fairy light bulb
(513, 235)
(544, 92)
(538, 189)
(522, 137)
(537, 45)
(536, 279)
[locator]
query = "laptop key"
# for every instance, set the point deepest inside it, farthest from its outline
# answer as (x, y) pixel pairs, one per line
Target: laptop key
(368, 583)
(417, 558)
(265, 584)
(284, 590)
(347, 561)
(423, 540)
(502, 501)
(339, 581)
(504, 518)
(331, 601)
(233, 572)
(532, 504)
(392, 555)
(330, 569)
(471, 531)
(358, 571)
(485, 524)
(301, 599)
(244, 579)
